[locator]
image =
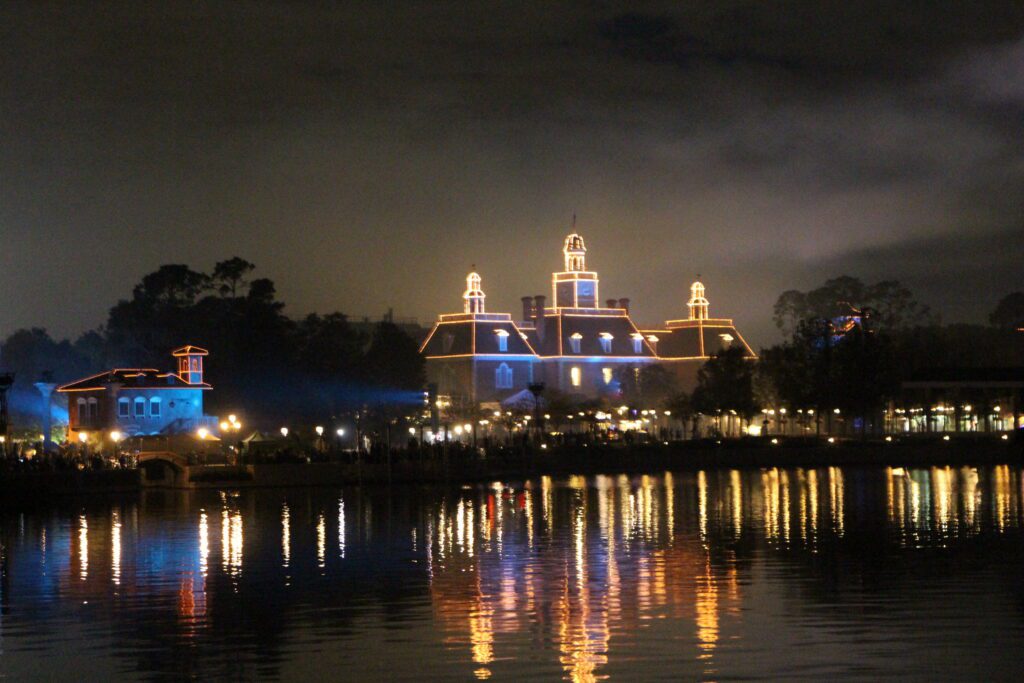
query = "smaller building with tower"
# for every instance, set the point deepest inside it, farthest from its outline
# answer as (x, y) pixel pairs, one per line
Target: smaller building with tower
(142, 401)
(575, 345)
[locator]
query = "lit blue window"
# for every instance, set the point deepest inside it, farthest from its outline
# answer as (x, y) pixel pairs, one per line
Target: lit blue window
(574, 342)
(124, 408)
(154, 407)
(503, 377)
(140, 407)
(502, 340)
(606, 342)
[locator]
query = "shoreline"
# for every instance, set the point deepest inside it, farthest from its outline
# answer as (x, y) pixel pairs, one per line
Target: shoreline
(43, 487)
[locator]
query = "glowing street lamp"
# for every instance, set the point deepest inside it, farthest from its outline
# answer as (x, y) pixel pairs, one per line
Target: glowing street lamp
(284, 432)
(202, 433)
(83, 437)
(116, 436)
(340, 432)
(319, 430)
(224, 425)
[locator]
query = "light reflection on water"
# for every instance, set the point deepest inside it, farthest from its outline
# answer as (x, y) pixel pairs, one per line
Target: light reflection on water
(715, 574)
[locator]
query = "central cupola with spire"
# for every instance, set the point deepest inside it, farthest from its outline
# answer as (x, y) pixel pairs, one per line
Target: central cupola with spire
(575, 287)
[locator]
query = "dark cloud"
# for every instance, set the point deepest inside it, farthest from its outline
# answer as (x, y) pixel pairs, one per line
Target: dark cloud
(363, 156)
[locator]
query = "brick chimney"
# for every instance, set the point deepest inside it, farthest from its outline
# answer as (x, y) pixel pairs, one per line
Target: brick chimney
(538, 314)
(624, 303)
(528, 313)
(611, 303)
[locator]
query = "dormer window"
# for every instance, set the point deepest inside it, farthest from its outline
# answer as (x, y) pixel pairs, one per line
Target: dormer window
(447, 340)
(638, 343)
(653, 341)
(606, 342)
(727, 339)
(502, 340)
(574, 342)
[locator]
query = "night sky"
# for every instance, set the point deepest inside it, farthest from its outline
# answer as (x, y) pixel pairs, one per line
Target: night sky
(365, 155)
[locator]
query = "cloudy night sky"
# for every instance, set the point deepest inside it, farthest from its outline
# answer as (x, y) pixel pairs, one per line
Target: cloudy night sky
(365, 155)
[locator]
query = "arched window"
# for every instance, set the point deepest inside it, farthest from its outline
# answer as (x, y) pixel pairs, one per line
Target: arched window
(140, 407)
(503, 377)
(154, 407)
(607, 375)
(575, 376)
(94, 409)
(124, 408)
(83, 410)
(502, 340)
(574, 342)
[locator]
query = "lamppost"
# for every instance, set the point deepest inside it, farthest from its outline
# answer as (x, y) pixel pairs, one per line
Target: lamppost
(116, 437)
(83, 438)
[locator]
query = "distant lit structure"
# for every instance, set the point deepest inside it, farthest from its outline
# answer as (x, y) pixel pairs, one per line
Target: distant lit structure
(141, 401)
(576, 345)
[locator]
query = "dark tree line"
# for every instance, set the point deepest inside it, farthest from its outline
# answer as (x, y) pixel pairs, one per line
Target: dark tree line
(261, 361)
(823, 366)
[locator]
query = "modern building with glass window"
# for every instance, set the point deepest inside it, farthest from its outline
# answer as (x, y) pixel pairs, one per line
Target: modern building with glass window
(575, 345)
(141, 401)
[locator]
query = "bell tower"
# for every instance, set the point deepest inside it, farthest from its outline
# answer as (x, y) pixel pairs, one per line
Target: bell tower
(575, 287)
(473, 296)
(697, 304)
(190, 363)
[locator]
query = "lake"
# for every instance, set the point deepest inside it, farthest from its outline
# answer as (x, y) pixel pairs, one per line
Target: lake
(724, 574)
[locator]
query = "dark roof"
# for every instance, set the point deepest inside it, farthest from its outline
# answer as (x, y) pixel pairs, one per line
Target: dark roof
(189, 350)
(564, 323)
(141, 378)
(698, 341)
(473, 335)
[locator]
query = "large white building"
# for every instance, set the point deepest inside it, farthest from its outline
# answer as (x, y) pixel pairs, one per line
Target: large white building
(575, 345)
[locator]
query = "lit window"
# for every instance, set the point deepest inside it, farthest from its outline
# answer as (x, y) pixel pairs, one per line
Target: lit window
(606, 374)
(503, 377)
(154, 407)
(726, 339)
(574, 342)
(574, 376)
(606, 342)
(140, 407)
(638, 344)
(123, 408)
(502, 340)
(653, 341)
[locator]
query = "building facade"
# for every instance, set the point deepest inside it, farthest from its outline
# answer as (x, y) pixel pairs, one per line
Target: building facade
(576, 345)
(141, 401)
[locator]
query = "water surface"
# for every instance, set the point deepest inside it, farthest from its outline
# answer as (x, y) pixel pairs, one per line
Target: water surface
(722, 574)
